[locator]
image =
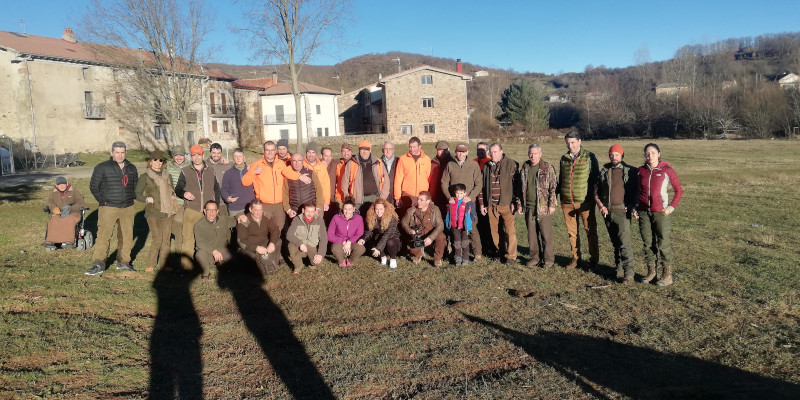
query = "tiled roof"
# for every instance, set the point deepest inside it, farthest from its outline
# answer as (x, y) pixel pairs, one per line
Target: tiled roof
(254, 84)
(286, 88)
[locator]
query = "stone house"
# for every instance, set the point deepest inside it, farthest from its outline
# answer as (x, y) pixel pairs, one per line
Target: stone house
(62, 95)
(789, 81)
(427, 102)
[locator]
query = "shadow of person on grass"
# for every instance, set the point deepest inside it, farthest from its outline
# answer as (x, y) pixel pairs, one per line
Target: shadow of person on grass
(272, 329)
(176, 366)
(639, 372)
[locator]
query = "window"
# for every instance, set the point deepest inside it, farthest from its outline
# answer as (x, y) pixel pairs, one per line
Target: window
(88, 98)
(284, 134)
(160, 131)
(326, 131)
(279, 113)
(319, 109)
(214, 126)
(319, 132)
(119, 98)
(406, 130)
(84, 71)
(429, 128)
(427, 79)
(225, 127)
(213, 102)
(427, 102)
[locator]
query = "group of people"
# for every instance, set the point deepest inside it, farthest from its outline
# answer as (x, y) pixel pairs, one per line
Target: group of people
(300, 207)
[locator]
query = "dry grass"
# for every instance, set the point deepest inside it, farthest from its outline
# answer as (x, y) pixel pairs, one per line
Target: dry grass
(727, 328)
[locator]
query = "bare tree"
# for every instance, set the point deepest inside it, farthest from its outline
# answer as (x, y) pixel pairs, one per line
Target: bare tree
(292, 31)
(156, 48)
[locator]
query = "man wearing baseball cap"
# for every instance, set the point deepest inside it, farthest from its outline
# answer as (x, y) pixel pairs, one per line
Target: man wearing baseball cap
(468, 173)
(616, 195)
(178, 153)
(196, 185)
(365, 180)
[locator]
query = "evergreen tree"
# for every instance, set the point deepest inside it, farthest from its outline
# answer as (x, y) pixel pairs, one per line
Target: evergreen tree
(524, 104)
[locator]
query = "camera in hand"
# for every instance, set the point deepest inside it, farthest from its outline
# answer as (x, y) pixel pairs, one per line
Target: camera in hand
(417, 240)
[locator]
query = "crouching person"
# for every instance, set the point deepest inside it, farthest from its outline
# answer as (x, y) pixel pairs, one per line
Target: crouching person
(65, 203)
(425, 226)
(212, 238)
(259, 238)
(307, 238)
(382, 236)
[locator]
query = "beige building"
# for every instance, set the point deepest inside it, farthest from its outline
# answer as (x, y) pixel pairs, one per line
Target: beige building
(60, 96)
(424, 101)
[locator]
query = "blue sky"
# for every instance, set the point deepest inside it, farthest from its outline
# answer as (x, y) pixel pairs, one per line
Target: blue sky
(534, 36)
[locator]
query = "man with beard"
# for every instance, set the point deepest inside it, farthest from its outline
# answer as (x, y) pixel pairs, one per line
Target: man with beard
(196, 185)
(412, 176)
(219, 165)
(365, 178)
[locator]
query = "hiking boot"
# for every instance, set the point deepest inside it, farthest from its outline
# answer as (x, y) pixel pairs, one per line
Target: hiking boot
(125, 266)
(627, 280)
(651, 273)
(573, 264)
(437, 263)
(97, 268)
(532, 263)
(666, 276)
(393, 263)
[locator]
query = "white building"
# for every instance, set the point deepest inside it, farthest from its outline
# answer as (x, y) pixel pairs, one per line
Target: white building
(319, 111)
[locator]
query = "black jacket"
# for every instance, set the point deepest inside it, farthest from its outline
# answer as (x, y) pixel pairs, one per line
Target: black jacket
(113, 186)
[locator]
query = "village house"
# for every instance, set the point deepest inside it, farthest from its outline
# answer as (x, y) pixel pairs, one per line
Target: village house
(789, 81)
(272, 104)
(60, 96)
(424, 101)
(670, 88)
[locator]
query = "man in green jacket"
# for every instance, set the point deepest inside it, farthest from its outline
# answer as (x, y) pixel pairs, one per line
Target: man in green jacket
(578, 174)
(212, 237)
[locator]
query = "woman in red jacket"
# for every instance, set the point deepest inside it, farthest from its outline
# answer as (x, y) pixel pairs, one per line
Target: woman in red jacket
(654, 213)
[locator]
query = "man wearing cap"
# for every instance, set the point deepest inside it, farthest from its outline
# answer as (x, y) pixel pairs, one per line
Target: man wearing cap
(365, 178)
(65, 203)
(196, 185)
(468, 173)
(236, 195)
(113, 184)
(174, 168)
(438, 164)
(538, 180)
(347, 156)
(267, 176)
(412, 176)
(578, 172)
(389, 166)
(219, 165)
(283, 151)
(616, 195)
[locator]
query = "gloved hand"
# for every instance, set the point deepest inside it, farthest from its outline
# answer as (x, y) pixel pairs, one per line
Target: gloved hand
(56, 211)
(66, 211)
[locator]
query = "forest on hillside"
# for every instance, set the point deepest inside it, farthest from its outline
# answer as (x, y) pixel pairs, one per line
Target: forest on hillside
(727, 88)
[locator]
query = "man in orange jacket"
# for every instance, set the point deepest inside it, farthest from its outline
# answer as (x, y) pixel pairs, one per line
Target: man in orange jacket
(411, 177)
(347, 156)
(267, 175)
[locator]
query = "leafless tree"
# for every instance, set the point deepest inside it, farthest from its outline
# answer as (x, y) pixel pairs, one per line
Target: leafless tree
(156, 47)
(291, 32)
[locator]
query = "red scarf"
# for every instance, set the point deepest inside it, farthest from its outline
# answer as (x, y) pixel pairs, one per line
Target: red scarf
(460, 211)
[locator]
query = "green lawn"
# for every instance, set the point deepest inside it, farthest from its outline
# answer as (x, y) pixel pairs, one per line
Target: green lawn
(727, 328)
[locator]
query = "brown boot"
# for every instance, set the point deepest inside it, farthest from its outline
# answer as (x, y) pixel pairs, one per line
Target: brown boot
(666, 276)
(573, 264)
(651, 273)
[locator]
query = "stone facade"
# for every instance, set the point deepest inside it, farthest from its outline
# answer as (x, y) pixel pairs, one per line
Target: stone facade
(427, 102)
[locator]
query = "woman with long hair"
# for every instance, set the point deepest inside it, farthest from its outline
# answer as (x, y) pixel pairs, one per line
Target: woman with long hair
(382, 236)
(155, 190)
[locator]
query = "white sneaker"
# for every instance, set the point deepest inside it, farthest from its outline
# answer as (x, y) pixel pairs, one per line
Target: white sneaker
(383, 260)
(393, 263)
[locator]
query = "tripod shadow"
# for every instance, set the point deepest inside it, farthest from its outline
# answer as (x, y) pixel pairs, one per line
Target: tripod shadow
(176, 366)
(639, 372)
(272, 329)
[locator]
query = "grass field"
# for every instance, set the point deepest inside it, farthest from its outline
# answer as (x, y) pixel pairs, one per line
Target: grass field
(727, 328)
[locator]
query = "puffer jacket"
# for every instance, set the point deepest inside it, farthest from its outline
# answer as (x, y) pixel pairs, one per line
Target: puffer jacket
(653, 184)
(545, 186)
(411, 177)
(113, 186)
(310, 234)
(577, 177)
(630, 179)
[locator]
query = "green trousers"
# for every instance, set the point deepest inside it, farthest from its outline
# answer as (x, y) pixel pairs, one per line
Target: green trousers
(655, 230)
(619, 231)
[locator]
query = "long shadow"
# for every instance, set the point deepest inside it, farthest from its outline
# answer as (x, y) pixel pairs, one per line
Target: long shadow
(176, 366)
(18, 193)
(272, 329)
(140, 231)
(639, 372)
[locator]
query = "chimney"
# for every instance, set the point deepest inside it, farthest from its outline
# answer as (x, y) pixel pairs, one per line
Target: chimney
(69, 36)
(274, 77)
(459, 67)
(380, 76)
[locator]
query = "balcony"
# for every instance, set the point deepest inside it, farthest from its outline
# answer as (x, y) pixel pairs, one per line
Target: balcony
(280, 119)
(222, 109)
(94, 111)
